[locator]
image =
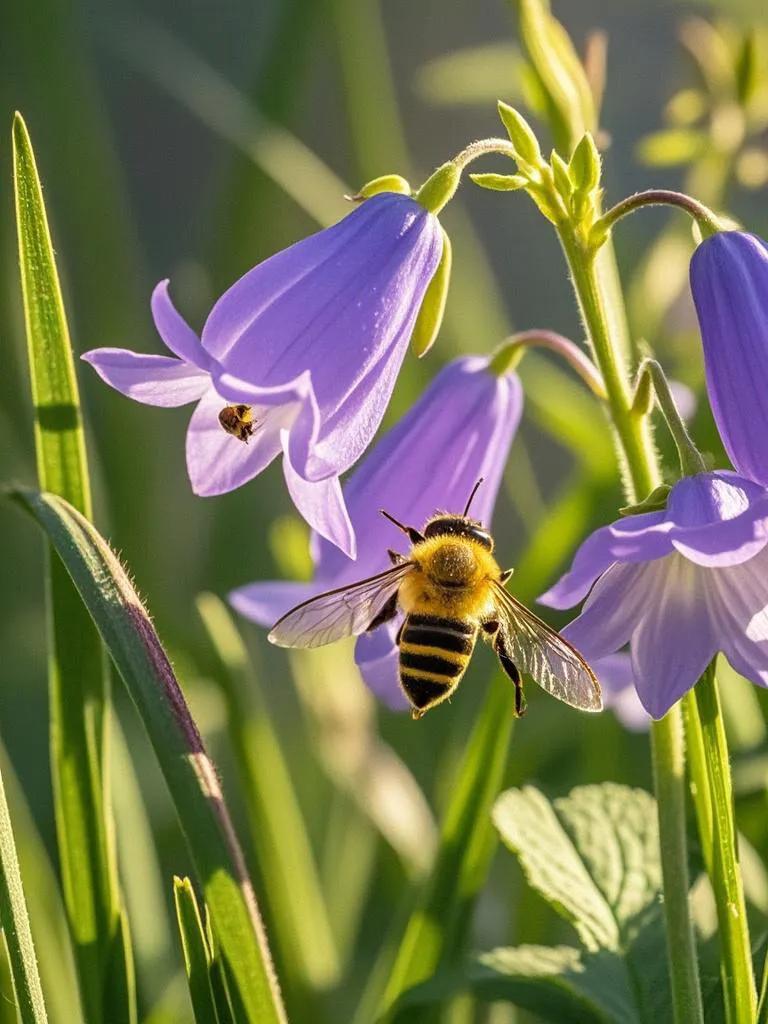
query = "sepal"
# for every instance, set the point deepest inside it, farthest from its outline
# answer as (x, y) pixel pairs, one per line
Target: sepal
(385, 183)
(440, 187)
(430, 316)
(500, 182)
(656, 501)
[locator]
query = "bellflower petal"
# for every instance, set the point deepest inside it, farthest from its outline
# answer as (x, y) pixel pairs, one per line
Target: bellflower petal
(707, 593)
(312, 339)
(618, 685)
(153, 380)
(729, 282)
(265, 603)
(215, 465)
(376, 655)
(460, 429)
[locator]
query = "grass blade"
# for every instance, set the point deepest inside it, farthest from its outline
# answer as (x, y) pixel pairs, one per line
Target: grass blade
(78, 682)
(437, 928)
(280, 839)
(15, 922)
(143, 665)
(197, 957)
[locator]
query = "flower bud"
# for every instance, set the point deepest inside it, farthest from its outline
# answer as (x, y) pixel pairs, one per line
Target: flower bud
(440, 188)
(584, 166)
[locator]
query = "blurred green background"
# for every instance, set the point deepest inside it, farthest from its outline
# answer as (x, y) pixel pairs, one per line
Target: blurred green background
(191, 141)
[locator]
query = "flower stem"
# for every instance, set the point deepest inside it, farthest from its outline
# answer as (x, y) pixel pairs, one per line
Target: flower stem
(691, 461)
(703, 216)
(602, 310)
(723, 857)
(509, 353)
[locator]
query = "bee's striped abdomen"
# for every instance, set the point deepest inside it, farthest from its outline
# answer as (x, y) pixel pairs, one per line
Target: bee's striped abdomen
(434, 652)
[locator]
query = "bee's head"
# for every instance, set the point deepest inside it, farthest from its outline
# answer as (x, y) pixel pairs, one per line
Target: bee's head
(445, 525)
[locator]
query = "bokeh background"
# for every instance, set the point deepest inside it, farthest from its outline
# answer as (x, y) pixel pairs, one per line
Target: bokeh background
(192, 140)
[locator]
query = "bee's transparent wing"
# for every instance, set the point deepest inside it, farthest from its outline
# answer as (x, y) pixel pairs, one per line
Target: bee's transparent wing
(545, 656)
(347, 611)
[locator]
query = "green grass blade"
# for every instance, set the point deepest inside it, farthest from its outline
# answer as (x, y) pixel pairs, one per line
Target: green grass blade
(437, 929)
(143, 665)
(197, 957)
(15, 922)
(78, 682)
(280, 839)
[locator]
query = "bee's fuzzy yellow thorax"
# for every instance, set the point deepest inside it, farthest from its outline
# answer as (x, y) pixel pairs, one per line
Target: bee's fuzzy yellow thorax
(452, 577)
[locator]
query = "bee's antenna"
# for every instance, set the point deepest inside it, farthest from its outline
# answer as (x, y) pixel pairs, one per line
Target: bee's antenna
(472, 495)
(413, 535)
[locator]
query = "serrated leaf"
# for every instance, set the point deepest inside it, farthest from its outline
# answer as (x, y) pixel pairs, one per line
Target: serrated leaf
(559, 984)
(593, 856)
(197, 956)
(135, 648)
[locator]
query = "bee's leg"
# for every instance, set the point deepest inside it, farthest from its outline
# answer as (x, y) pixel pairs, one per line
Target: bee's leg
(395, 557)
(505, 576)
(389, 611)
(512, 671)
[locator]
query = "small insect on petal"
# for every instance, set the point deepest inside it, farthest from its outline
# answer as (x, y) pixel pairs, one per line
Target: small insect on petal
(238, 420)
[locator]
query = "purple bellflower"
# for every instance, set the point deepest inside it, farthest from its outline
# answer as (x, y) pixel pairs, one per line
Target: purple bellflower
(311, 340)
(729, 281)
(460, 429)
(678, 585)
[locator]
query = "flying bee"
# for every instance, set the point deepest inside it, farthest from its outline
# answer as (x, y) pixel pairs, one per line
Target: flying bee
(451, 591)
(238, 420)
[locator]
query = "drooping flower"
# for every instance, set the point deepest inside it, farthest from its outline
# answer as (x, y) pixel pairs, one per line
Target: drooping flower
(729, 282)
(310, 341)
(678, 585)
(614, 673)
(460, 429)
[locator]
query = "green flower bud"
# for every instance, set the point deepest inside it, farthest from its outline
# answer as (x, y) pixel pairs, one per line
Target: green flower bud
(584, 167)
(430, 316)
(440, 188)
(500, 182)
(386, 183)
(520, 135)
(560, 175)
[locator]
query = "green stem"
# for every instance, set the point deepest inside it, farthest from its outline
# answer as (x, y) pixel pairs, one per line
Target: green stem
(509, 353)
(704, 217)
(689, 455)
(736, 959)
(603, 314)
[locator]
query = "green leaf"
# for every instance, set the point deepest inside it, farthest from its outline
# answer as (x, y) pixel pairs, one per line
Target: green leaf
(78, 683)
(283, 851)
(143, 665)
(521, 135)
(500, 182)
(437, 929)
(584, 167)
(560, 983)
(197, 956)
(593, 856)
(15, 923)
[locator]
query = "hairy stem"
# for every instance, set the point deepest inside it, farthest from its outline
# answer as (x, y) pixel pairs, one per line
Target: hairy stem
(703, 216)
(602, 310)
(723, 857)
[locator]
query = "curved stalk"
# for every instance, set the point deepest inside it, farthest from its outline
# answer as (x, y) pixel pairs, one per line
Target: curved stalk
(509, 353)
(703, 216)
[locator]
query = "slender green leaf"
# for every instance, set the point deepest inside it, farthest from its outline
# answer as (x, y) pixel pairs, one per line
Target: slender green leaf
(280, 839)
(140, 659)
(197, 956)
(437, 929)
(15, 922)
(78, 682)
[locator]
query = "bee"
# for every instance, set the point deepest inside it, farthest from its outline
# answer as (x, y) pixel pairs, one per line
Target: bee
(238, 421)
(450, 591)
